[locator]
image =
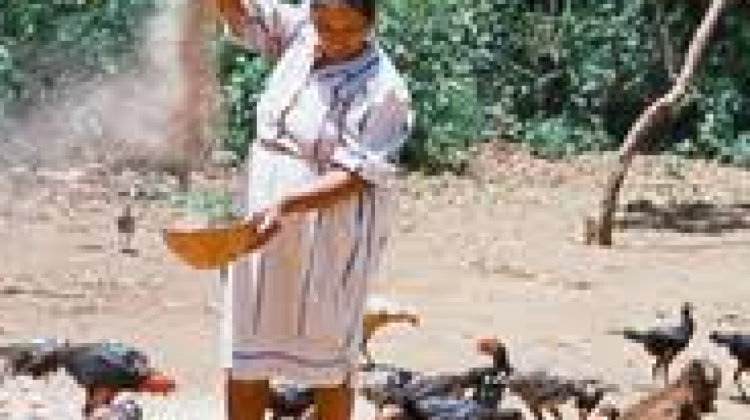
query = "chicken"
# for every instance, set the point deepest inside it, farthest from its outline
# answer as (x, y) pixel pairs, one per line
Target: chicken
(484, 382)
(738, 346)
(380, 312)
(290, 401)
(126, 228)
(691, 396)
(471, 394)
(385, 386)
(665, 343)
(103, 369)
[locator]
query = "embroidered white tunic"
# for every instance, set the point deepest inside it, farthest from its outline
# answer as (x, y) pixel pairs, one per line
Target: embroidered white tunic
(293, 310)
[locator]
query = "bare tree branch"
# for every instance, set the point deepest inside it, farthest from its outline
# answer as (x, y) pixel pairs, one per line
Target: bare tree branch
(656, 112)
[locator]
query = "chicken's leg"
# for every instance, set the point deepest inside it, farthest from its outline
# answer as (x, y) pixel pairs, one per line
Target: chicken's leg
(537, 413)
(738, 381)
(366, 354)
(655, 369)
(555, 412)
(97, 397)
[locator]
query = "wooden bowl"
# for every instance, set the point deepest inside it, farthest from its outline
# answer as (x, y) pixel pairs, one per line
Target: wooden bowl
(209, 247)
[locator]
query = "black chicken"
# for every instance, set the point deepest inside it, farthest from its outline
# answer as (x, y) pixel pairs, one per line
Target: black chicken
(103, 369)
(665, 343)
(471, 394)
(738, 346)
(483, 382)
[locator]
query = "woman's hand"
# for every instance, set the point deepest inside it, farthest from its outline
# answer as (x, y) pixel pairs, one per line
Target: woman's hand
(326, 191)
(268, 222)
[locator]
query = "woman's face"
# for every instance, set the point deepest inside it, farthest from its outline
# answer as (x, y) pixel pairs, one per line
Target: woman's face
(342, 31)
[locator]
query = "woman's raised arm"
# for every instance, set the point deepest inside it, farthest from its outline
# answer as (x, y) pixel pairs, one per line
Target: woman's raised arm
(265, 26)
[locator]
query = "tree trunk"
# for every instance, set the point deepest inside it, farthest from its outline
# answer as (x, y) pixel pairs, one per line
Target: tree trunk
(656, 112)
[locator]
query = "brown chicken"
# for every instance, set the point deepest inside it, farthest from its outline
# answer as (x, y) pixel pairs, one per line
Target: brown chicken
(688, 398)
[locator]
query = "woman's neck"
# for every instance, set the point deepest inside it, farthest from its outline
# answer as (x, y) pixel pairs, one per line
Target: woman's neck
(323, 60)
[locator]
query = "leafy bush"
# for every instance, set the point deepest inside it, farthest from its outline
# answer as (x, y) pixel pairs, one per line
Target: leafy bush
(242, 76)
(564, 79)
(46, 45)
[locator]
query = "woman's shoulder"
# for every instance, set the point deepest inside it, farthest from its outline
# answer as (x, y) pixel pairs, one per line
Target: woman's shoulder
(388, 79)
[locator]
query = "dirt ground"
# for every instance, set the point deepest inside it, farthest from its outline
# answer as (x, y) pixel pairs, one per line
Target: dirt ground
(498, 251)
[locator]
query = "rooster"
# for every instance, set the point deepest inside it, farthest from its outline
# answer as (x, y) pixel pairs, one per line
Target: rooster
(103, 370)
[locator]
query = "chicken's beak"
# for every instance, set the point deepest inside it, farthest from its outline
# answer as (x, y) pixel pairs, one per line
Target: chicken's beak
(158, 383)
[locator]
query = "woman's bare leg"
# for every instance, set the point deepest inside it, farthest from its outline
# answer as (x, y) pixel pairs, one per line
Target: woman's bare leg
(334, 403)
(246, 400)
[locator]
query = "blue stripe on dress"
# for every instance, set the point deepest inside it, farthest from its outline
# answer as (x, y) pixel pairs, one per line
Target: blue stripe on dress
(359, 222)
(270, 354)
(259, 292)
(366, 260)
(370, 227)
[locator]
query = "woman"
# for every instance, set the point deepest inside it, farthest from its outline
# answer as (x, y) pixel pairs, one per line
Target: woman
(334, 112)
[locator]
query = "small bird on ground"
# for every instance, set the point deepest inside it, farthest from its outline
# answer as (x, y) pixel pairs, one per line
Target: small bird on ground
(126, 226)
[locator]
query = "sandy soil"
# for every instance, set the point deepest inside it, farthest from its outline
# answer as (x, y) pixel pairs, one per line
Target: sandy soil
(498, 251)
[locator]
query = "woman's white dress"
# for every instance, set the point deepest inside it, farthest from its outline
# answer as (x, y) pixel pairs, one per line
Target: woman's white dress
(293, 309)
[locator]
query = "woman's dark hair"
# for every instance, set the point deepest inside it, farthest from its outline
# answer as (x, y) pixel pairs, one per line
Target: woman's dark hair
(368, 8)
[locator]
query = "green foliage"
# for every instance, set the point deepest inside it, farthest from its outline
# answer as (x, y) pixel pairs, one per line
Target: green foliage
(242, 77)
(206, 203)
(439, 48)
(46, 45)
(575, 80)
